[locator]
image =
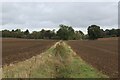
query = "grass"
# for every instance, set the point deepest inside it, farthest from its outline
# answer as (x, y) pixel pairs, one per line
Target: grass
(60, 61)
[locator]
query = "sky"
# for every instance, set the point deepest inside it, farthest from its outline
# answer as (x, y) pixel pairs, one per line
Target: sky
(48, 15)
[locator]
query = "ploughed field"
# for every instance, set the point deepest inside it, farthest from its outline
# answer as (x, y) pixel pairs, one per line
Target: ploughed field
(15, 50)
(101, 54)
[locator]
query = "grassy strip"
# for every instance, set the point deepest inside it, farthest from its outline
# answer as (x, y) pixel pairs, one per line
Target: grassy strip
(57, 62)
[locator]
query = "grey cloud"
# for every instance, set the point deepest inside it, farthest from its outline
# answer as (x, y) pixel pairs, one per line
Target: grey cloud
(51, 14)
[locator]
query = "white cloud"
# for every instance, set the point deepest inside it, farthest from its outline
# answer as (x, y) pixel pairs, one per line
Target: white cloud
(49, 15)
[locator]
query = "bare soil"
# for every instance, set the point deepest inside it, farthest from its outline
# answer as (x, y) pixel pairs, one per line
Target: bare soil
(15, 50)
(101, 54)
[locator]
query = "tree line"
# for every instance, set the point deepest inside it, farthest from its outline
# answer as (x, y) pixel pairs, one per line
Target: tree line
(95, 32)
(65, 33)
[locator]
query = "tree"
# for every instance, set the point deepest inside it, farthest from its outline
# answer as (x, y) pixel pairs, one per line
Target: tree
(35, 35)
(26, 32)
(102, 33)
(6, 33)
(66, 32)
(48, 34)
(42, 33)
(118, 32)
(53, 34)
(18, 33)
(0, 34)
(79, 35)
(71, 33)
(94, 32)
(63, 33)
(113, 33)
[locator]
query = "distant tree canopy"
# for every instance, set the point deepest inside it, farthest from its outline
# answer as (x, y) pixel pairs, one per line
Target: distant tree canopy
(65, 33)
(68, 33)
(94, 32)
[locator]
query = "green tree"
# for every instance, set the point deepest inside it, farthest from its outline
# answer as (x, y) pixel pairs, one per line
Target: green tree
(79, 35)
(35, 35)
(113, 33)
(63, 33)
(71, 33)
(26, 32)
(53, 34)
(0, 34)
(47, 34)
(118, 32)
(102, 32)
(42, 33)
(6, 33)
(94, 32)
(18, 33)
(66, 32)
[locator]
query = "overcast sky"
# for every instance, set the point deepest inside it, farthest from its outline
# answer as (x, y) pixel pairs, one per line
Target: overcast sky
(48, 15)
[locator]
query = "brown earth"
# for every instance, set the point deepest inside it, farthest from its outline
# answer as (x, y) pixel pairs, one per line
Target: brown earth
(101, 54)
(15, 50)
